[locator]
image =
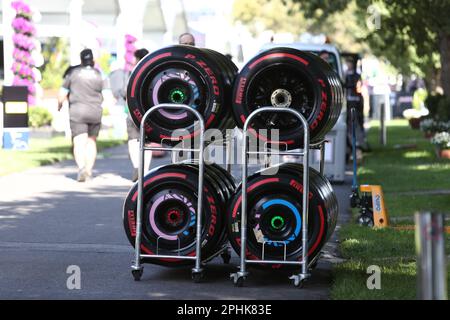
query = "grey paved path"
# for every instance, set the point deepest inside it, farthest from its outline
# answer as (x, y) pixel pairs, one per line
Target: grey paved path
(48, 221)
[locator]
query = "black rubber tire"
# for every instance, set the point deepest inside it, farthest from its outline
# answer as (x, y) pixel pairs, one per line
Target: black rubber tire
(321, 86)
(213, 75)
(284, 187)
(224, 185)
(180, 177)
(225, 177)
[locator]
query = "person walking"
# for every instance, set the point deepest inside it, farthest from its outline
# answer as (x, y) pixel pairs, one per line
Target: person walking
(83, 86)
(118, 82)
(353, 84)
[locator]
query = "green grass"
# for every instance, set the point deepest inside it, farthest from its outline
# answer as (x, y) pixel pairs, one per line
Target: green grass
(403, 169)
(397, 281)
(392, 250)
(406, 205)
(396, 170)
(43, 152)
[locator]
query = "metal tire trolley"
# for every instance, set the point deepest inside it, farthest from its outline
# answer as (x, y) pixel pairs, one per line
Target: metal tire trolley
(137, 268)
(239, 277)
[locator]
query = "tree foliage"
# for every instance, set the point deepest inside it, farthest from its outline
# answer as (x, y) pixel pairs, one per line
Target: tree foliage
(56, 61)
(414, 35)
(275, 15)
(292, 16)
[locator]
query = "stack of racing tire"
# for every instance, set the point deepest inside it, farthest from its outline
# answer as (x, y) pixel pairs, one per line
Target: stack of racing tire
(203, 80)
(200, 78)
(274, 215)
(288, 78)
(170, 212)
(209, 82)
(285, 78)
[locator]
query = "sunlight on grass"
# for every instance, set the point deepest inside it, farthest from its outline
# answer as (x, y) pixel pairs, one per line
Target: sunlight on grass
(433, 167)
(422, 167)
(374, 124)
(416, 154)
(363, 170)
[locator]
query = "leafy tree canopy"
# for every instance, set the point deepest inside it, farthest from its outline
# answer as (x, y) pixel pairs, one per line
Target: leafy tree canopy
(413, 35)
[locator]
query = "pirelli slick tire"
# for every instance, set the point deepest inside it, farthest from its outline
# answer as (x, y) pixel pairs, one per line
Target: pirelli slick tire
(275, 215)
(288, 78)
(223, 179)
(169, 218)
(180, 74)
(224, 185)
(226, 178)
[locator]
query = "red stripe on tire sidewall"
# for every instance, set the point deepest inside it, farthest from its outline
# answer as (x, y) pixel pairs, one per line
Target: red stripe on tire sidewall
(211, 119)
(249, 189)
(264, 138)
(278, 55)
(141, 70)
(160, 176)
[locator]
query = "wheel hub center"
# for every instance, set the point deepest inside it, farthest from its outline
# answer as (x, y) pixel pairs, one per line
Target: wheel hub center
(174, 217)
(177, 96)
(277, 222)
(281, 98)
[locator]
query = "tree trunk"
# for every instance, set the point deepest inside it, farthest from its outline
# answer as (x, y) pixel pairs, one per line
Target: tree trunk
(444, 48)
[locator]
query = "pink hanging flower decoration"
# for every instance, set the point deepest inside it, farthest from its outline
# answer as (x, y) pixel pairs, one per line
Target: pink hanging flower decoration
(23, 45)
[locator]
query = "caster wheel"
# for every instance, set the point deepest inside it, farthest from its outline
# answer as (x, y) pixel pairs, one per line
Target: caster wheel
(226, 257)
(299, 282)
(137, 274)
(354, 200)
(197, 277)
(365, 221)
(239, 282)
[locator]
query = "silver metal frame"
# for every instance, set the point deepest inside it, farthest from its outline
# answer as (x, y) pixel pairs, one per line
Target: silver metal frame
(137, 266)
(322, 157)
(298, 279)
(431, 257)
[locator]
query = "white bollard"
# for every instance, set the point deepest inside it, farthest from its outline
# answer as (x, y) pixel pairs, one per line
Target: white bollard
(431, 257)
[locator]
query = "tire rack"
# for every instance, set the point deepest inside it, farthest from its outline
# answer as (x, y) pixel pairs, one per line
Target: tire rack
(197, 272)
(239, 277)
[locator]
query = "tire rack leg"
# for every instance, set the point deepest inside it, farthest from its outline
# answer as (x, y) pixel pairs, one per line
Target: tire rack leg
(197, 271)
(300, 278)
(229, 157)
(322, 157)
